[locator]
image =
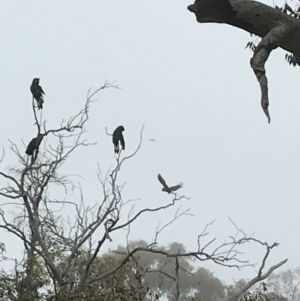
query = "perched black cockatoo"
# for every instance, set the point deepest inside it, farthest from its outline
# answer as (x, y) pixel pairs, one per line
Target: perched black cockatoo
(34, 145)
(118, 136)
(37, 92)
(166, 187)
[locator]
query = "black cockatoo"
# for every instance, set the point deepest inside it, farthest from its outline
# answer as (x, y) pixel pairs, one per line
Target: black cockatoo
(37, 92)
(166, 187)
(34, 145)
(118, 136)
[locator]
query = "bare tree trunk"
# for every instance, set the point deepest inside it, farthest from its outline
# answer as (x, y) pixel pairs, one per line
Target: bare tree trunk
(28, 290)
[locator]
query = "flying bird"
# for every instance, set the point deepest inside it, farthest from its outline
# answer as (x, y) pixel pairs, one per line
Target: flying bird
(37, 92)
(166, 188)
(118, 136)
(34, 145)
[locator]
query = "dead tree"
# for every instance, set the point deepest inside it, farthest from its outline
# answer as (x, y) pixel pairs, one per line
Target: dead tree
(276, 28)
(61, 252)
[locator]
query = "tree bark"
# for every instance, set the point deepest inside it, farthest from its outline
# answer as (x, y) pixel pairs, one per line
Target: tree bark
(276, 28)
(256, 279)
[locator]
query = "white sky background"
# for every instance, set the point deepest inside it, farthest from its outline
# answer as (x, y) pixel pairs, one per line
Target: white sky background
(192, 86)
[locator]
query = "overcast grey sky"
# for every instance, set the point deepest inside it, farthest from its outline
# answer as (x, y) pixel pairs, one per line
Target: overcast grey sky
(192, 86)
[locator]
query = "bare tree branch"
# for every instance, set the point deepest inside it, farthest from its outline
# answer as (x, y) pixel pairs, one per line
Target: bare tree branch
(256, 279)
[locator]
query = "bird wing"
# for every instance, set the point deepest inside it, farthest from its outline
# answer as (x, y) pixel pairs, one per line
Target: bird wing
(39, 139)
(42, 90)
(122, 141)
(36, 92)
(33, 88)
(176, 187)
(162, 181)
(31, 147)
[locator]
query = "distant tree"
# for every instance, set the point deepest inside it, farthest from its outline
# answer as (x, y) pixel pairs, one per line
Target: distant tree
(158, 270)
(210, 288)
(236, 286)
(124, 284)
(277, 27)
(286, 284)
(61, 252)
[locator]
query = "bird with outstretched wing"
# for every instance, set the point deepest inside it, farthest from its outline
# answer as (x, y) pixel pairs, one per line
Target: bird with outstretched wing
(166, 188)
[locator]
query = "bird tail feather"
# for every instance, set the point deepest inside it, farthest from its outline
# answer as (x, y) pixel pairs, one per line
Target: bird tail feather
(40, 104)
(117, 148)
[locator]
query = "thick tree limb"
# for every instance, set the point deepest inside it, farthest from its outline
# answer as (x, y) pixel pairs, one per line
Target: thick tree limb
(253, 281)
(252, 16)
(259, 276)
(276, 28)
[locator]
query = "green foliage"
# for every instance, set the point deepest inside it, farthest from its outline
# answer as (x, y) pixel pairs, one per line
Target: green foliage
(26, 279)
(292, 59)
(124, 284)
(251, 45)
(260, 294)
(138, 279)
(133, 281)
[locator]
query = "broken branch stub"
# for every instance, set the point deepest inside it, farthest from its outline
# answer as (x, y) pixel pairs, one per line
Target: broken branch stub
(268, 43)
(276, 28)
